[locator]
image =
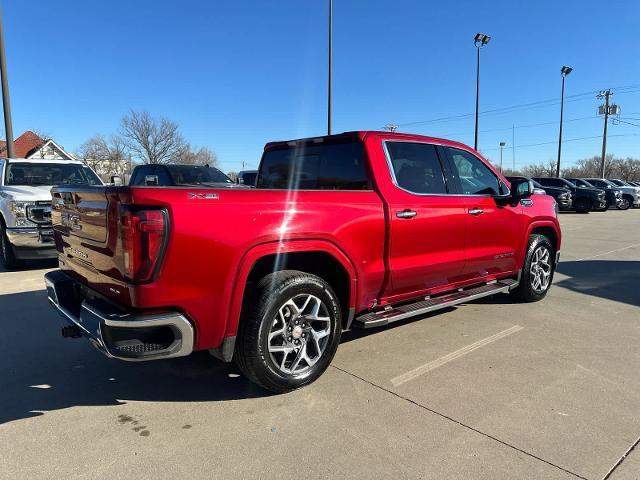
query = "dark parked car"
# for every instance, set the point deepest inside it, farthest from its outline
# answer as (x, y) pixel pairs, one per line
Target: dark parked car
(613, 194)
(247, 177)
(585, 200)
(563, 196)
(174, 174)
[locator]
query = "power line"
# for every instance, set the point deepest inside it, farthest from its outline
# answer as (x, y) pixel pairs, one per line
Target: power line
(567, 140)
(525, 106)
(616, 120)
(531, 125)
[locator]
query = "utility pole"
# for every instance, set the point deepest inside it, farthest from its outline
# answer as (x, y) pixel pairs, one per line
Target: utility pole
(391, 127)
(330, 66)
(5, 97)
(513, 146)
(606, 94)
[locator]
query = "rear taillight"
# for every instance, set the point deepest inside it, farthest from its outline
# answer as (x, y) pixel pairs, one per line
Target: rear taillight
(143, 234)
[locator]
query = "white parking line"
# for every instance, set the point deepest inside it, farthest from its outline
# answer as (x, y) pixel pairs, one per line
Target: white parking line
(607, 253)
(427, 367)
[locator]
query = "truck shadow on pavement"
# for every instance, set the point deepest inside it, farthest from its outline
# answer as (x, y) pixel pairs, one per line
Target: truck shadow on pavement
(42, 372)
(28, 265)
(616, 280)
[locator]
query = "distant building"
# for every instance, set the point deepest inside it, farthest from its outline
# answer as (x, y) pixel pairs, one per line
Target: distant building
(30, 145)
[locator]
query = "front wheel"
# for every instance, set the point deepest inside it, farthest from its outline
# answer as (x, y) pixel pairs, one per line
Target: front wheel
(7, 255)
(582, 205)
(624, 204)
(537, 274)
(289, 332)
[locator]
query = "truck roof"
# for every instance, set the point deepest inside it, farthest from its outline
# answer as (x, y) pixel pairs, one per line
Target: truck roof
(361, 134)
(39, 160)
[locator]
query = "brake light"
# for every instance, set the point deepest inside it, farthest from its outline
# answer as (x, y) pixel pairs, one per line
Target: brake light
(143, 234)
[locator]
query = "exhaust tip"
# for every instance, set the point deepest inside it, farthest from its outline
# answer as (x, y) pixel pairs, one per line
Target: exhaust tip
(71, 331)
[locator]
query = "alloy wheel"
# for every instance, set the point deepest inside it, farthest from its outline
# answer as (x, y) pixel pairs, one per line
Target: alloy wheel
(540, 269)
(299, 334)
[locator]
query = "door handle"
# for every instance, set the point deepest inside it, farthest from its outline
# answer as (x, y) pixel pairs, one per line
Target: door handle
(476, 211)
(406, 214)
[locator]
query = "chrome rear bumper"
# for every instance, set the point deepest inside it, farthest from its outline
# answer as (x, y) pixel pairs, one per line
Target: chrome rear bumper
(116, 333)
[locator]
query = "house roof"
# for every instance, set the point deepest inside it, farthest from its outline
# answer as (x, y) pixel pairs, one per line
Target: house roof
(25, 144)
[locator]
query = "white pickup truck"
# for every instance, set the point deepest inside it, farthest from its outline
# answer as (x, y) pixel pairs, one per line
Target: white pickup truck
(25, 205)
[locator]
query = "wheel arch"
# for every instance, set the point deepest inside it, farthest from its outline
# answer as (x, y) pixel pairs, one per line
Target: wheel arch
(320, 258)
(549, 230)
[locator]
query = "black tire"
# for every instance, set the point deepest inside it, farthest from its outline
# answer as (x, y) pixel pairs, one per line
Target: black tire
(624, 204)
(7, 255)
(629, 198)
(582, 205)
(266, 313)
(526, 290)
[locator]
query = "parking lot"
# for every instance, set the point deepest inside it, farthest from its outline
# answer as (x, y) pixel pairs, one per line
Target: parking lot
(491, 389)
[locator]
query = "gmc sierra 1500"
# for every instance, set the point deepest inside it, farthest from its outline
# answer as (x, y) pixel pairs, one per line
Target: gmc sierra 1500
(359, 229)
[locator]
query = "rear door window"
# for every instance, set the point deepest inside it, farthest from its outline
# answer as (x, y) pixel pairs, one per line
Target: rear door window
(416, 167)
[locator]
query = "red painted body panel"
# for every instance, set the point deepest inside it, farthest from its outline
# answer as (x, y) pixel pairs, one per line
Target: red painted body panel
(213, 243)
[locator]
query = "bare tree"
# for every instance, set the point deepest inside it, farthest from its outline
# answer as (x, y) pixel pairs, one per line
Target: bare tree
(201, 156)
(545, 169)
(508, 172)
(152, 140)
(106, 156)
(626, 168)
(233, 176)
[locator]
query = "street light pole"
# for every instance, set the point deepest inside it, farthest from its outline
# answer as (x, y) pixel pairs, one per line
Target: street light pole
(502, 144)
(480, 40)
(330, 66)
(564, 71)
(5, 97)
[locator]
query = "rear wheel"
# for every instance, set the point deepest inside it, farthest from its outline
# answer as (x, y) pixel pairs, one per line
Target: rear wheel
(582, 205)
(538, 270)
(7, 255)
(289, 332)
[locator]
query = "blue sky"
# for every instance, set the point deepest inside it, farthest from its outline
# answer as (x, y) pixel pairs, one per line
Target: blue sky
(235, 75)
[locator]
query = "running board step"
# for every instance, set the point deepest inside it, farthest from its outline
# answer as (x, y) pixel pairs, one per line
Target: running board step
(390, 315)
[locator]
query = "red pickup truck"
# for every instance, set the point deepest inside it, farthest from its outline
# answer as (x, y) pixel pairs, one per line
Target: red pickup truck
(352, 230)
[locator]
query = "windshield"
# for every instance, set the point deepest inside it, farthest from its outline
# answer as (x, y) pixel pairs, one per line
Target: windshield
(582, 183)
(196, 174)
(620, 183)
(599, 183)
(49, 174)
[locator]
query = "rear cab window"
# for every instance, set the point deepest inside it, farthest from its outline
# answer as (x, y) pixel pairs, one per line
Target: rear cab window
(315, 164)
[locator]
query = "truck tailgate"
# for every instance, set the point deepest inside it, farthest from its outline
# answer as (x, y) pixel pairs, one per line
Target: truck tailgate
(81, 212)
